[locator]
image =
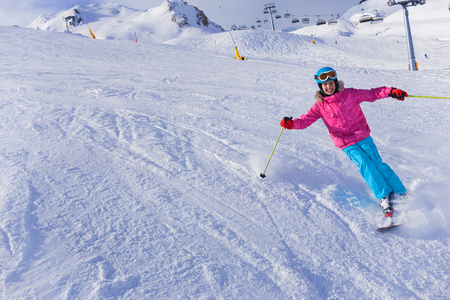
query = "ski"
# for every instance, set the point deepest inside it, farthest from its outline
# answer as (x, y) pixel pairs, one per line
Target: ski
(389, 227)
(388, 223)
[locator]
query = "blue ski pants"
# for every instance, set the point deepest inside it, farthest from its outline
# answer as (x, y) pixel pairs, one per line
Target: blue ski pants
(380, 178)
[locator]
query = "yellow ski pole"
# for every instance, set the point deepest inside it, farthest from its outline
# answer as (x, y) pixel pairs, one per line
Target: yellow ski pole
(263, 174)
(431, 97)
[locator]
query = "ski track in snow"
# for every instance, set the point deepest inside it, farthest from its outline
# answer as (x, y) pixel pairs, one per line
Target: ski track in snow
(131, 172)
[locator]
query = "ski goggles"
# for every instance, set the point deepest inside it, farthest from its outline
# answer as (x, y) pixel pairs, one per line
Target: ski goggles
(322, 77)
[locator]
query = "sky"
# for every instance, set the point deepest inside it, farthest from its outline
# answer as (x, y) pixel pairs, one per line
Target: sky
(23, 12)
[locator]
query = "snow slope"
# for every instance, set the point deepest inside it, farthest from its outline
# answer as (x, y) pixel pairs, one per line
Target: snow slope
(131, 171)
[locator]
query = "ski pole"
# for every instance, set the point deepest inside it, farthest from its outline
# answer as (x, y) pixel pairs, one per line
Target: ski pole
(263, 174)
(432, 97)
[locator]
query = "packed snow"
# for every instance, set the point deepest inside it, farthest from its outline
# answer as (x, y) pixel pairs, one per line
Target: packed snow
(131, 170)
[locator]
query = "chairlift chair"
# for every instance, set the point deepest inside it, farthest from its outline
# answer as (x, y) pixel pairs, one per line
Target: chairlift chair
(377, 19)
(365, 18)
(287, 15)
(332, 22)
(305, 20)
(294, 20)
(320, 21)
(277, 17)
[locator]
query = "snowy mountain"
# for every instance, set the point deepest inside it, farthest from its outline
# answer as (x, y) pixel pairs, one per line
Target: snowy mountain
(173, 18)
(429, 20)
(429, 25)
(131, 170)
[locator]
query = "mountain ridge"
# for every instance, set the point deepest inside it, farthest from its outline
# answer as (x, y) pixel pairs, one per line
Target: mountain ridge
(173, 18)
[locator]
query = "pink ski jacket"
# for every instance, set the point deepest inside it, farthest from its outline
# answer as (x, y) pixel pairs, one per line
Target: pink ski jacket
(342, 114)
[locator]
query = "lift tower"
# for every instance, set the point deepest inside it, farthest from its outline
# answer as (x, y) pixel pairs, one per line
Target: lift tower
(405, 4)
(269, 8)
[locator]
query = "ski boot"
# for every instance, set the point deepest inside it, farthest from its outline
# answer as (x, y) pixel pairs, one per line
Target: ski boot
(386, 205)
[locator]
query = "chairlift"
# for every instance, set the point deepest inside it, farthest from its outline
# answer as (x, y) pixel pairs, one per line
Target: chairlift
(265, 21)
(287, 15)
(305, 20)
(266, 11)
(258, 21)
(277, 17)
(294, 20)
(332, 22)
(320, 21)
(274, 11)
(378, 18)
(365, 18)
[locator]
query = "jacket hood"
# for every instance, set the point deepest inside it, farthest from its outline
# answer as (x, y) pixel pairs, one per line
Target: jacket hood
(319, 96)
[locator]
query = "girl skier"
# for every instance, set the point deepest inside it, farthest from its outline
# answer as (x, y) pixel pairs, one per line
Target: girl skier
(340, 110)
